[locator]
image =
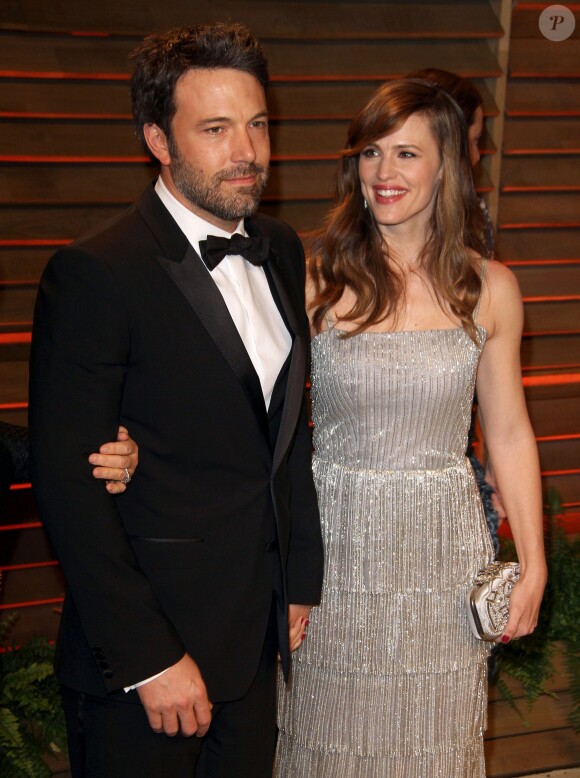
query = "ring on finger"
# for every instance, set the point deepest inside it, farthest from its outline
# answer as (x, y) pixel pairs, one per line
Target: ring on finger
(127, 477)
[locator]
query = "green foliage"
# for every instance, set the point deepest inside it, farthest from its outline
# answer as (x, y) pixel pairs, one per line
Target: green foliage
(31, 717)
(530, 661)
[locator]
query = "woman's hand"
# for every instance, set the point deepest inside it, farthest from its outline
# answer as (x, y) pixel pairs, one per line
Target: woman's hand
(297, 623)
(525, 601)
(115, 461)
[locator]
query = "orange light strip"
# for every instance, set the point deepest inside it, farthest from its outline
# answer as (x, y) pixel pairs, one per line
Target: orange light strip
(65, 116)
(12, 406)
(552, 298)
(549, 333)
(551, 380)
(26, 525)
(548, 473)
(540, 225)
(571, 366)
(539, 262)
(20, 487)
(59, 75)
(527, 113)
(571, 188)
(28, 566)
(553, 438)
(538, 74)
(33, 242)
(30, 603)
(538, 151)
(44, 159)
(14, 338)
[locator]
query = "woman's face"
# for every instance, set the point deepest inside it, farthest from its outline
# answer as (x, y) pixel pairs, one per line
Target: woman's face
(400, 175)
(474, 132)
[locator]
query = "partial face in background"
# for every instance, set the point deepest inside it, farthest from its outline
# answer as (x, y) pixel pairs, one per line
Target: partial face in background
(474, 132)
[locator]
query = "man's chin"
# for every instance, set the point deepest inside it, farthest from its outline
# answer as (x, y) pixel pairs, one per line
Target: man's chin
(243, 206)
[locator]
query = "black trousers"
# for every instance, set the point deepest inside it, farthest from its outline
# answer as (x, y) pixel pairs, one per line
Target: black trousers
(111, 738)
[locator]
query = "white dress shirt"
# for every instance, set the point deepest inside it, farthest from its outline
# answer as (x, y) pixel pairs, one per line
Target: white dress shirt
(247, 295)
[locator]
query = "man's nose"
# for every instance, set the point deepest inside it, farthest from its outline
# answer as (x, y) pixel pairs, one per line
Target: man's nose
(243, 147)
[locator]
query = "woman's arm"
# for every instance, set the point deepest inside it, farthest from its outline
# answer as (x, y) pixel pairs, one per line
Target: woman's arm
(511, 442)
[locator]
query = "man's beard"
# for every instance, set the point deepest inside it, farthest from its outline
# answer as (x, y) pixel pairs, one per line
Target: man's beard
(229, 203)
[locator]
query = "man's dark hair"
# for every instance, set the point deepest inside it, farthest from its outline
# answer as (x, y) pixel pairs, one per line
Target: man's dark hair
(161, 60)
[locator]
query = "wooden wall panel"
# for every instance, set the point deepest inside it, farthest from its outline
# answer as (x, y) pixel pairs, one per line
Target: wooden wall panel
(539, 233)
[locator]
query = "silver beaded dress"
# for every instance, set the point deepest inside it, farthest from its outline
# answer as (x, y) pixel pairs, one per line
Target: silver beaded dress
(390, 682)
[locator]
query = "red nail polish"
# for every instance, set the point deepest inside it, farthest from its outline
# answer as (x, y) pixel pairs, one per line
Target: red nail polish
(505, 638)
(306, 622)
(303, 636)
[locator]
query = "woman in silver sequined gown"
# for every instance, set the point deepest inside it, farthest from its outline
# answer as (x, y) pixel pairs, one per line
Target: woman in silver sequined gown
(390, 682)
(390, 670)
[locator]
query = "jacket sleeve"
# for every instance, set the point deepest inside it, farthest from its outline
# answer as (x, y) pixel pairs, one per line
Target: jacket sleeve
(79, 356)
(304, 567)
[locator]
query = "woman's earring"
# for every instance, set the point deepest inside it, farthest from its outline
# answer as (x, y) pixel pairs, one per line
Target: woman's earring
(366, 205)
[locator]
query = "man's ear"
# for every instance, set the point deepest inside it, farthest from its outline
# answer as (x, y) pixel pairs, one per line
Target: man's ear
(157, 142)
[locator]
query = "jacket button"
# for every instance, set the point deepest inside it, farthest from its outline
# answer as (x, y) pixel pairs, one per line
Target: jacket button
(108, 673)
(272, 546)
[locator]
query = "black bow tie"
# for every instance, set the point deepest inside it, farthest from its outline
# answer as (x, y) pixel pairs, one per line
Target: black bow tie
(214, 249)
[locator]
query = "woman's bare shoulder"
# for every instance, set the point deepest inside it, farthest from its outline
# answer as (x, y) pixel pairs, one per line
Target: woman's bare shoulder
(501, 298)
(501, 279)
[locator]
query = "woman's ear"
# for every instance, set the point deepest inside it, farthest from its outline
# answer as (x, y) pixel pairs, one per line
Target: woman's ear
(157, 142)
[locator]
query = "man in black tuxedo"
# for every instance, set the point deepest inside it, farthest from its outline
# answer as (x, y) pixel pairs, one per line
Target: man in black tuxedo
(184, 589)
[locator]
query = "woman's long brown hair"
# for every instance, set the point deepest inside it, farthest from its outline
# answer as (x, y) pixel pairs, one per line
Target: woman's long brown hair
(349, 250)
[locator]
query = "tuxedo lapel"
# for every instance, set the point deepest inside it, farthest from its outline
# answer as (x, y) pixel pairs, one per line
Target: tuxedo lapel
(195, 283)
(187, 271)
(294, 396)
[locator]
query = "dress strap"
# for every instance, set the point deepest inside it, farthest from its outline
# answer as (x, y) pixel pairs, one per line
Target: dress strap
(328, 320)
(482, 277)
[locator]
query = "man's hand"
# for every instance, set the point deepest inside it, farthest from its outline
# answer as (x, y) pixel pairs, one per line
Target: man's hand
(297, 623)
(177, 700)
(114, 459)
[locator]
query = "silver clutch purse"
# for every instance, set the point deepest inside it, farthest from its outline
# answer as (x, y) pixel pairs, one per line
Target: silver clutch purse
(488, 602)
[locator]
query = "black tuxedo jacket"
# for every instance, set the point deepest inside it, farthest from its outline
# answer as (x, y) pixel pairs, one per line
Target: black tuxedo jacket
(130, 328)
